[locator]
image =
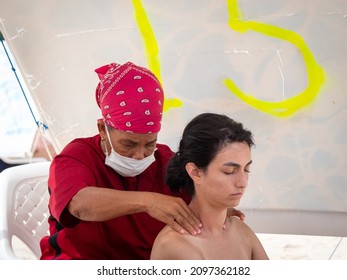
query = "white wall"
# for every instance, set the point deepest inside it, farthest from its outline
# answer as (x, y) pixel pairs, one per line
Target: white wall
(293, 55)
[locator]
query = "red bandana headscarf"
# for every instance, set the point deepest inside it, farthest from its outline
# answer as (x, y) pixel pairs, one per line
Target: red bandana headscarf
(130, 98)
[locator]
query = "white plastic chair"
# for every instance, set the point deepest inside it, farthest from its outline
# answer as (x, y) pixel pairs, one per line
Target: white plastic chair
(23, 207)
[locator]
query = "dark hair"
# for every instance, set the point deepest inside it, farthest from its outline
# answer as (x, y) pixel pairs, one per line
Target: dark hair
(203, 137)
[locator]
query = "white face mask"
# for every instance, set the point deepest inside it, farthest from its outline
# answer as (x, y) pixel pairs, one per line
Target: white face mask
(125, 166)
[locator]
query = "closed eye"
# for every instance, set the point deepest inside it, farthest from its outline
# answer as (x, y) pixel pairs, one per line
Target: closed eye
(235, 166)
(128, 145)
(150, 146)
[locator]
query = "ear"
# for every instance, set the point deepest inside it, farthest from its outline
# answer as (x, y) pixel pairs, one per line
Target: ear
(102, 129)
(193, 171)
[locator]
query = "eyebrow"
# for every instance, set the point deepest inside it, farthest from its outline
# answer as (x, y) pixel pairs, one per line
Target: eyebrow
(155, 140)
(135, 143)
(230, 163)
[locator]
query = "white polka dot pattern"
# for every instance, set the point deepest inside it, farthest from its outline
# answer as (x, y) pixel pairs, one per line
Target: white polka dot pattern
(130, 97)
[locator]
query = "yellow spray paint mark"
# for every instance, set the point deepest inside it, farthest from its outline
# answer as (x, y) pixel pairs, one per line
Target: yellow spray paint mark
(315, 72)
(152, 50)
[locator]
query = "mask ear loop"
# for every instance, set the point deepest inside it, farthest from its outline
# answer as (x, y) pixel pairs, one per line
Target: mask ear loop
(106, 151)
(109, 140)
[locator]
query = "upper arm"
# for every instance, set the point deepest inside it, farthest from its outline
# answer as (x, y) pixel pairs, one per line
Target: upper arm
(67, 177)
(258, 251)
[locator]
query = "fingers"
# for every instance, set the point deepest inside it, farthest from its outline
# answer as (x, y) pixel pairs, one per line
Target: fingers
(184, 220)
(239, 214)
(232, 212)
(176, 226)
(186, 224)
(173, 211)
(236, 213)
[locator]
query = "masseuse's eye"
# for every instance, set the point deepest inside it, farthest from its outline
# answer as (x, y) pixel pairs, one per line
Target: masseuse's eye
(128, 145)
(150, 146)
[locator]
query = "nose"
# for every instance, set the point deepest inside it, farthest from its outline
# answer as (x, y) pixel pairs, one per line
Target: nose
(242, 180)
(140, 153)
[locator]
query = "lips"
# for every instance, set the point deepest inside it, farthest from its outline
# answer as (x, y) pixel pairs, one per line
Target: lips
(237, 195)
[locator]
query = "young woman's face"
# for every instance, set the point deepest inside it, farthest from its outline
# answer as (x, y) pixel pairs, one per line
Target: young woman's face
(225, 180)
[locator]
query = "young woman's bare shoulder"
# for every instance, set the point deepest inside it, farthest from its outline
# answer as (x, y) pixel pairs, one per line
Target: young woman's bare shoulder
(242, 226)
(242, 229)
(248, 234)
(170, 245)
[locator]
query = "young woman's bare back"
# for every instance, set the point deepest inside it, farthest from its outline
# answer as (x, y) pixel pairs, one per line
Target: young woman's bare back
(236, 242)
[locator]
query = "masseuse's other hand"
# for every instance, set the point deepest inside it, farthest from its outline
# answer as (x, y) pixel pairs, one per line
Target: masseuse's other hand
(232, 212)
(236, 213)
(172, 211)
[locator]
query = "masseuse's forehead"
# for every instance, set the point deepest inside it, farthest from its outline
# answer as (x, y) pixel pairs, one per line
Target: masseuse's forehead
(133, 137)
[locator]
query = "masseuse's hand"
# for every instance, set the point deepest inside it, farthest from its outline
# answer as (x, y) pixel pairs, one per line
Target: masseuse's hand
(236, 213)
(232, 212)
(172, 211)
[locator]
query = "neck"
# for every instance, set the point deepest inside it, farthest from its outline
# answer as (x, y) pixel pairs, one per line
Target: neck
(212, 218)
